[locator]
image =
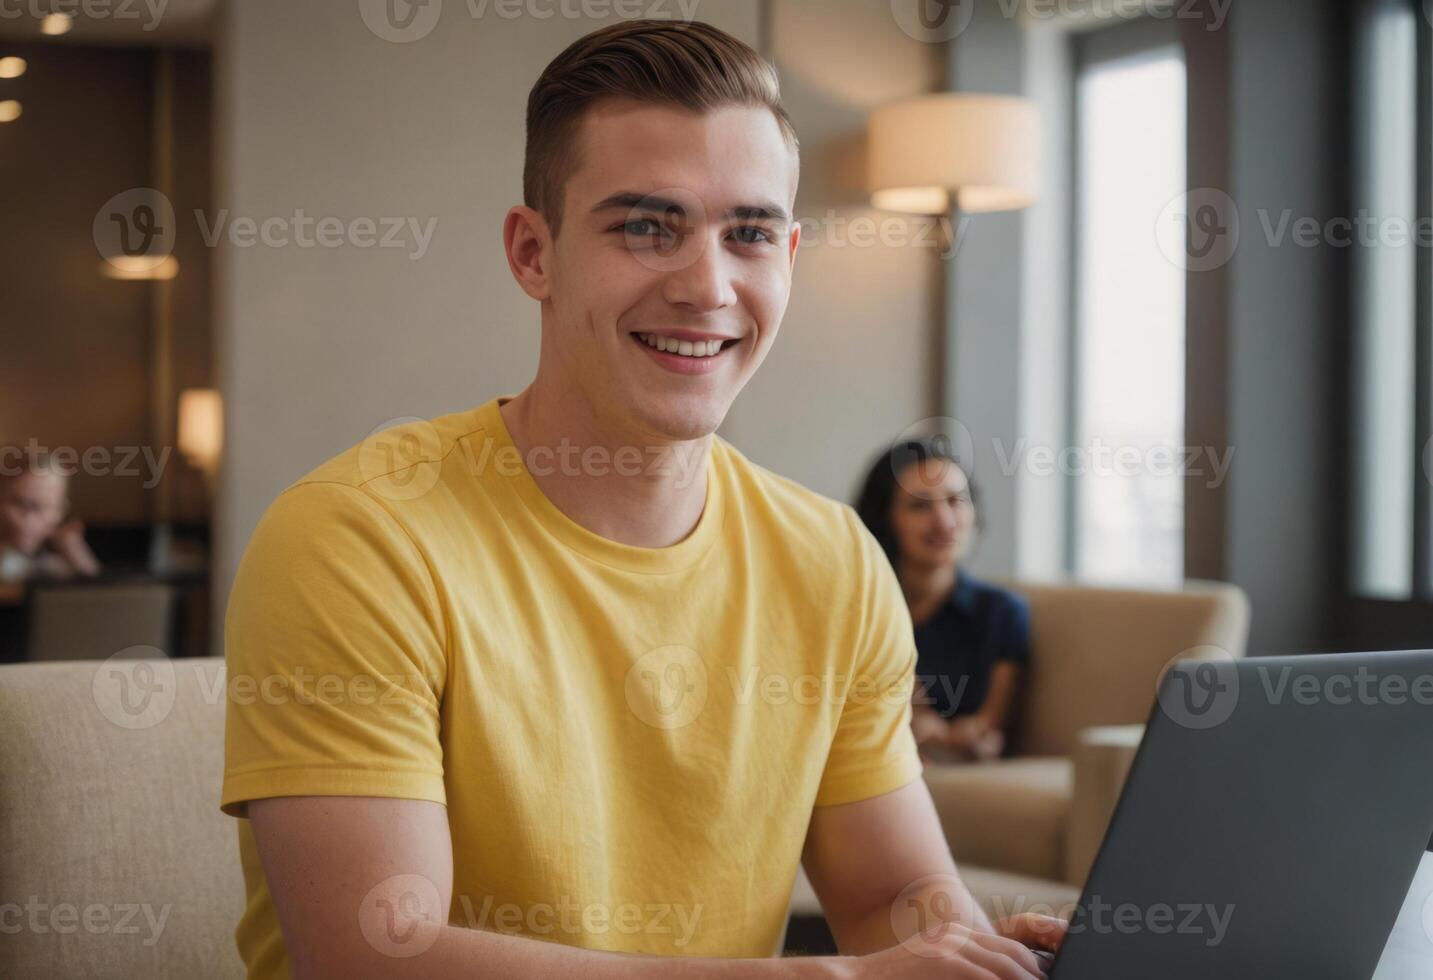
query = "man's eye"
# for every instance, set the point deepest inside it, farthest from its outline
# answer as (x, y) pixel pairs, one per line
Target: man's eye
(751, 234)
(641, 228)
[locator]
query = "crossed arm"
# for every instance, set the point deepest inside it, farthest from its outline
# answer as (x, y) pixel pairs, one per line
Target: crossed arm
(980, 735)
(362, 887)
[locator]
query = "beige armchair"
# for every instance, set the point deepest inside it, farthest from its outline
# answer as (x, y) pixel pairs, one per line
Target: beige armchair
(1025, 829)
(114, 858)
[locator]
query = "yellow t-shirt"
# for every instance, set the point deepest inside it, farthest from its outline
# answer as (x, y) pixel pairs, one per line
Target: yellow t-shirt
(629, 741)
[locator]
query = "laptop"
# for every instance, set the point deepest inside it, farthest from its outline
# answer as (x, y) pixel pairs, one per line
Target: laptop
(1274, 818)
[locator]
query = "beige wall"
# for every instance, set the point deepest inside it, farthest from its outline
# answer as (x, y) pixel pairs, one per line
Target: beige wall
(319, 346)
(853, 364)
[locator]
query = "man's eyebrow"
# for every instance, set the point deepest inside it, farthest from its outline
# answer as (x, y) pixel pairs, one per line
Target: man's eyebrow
(761, 212)
(631, 200)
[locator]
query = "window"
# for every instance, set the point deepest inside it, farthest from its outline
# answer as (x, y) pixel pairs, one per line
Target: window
(1384, 461)
(1128, 385)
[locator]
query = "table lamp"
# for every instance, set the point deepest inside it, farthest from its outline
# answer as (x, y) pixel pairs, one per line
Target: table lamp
(201, 429)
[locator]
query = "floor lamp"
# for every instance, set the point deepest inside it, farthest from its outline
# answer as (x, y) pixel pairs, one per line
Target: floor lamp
(948, 154)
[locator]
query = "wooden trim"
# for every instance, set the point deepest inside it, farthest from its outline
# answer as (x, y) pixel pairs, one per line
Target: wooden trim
(1207, 349)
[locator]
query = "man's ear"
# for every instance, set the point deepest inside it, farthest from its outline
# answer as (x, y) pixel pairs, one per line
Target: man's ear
(795, 241)
(528, 244)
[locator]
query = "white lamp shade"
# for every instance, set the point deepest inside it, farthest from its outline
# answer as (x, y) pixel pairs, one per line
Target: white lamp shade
(201, 427)
(982, 151)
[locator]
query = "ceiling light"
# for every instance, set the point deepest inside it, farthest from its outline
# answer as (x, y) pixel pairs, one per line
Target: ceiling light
(56, 24)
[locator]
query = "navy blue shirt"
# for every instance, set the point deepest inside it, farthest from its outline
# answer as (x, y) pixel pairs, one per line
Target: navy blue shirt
(957, 647)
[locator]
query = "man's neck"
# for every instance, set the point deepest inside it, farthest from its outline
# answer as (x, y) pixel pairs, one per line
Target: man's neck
(635, 491)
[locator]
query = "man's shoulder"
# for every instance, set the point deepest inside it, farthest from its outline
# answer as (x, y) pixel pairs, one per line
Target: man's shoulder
(807, 518)
(399, 470)
(369, 500)
(401, 453)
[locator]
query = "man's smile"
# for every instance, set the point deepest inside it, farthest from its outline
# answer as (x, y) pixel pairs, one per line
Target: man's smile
(687, 351)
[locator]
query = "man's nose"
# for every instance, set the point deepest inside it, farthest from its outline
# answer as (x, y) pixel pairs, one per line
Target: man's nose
(701, 277)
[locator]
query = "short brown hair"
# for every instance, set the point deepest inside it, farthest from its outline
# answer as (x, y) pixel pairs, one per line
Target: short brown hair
(684, 63)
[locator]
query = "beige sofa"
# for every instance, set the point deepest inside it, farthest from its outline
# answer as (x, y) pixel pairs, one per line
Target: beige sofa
(1096, 656)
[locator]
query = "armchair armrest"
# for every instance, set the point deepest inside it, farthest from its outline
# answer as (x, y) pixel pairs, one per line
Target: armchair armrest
(1102, 760)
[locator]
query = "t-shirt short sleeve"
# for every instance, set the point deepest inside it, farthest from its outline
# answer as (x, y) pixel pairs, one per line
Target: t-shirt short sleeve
(335, 654)
(873, 751)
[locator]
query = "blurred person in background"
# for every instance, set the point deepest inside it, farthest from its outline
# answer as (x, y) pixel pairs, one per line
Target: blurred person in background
(35, 538)
(972, 637)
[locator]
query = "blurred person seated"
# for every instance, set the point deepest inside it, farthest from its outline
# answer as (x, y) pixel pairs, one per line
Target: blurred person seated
(36, 541)
(972, 637)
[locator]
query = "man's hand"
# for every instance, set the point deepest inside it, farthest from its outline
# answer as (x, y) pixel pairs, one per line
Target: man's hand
(950, 952)
(1042, 932)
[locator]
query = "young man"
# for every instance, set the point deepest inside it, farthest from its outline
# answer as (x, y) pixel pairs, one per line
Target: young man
(593, 677)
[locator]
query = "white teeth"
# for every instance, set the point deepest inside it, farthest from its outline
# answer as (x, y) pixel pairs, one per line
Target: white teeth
(686, 348)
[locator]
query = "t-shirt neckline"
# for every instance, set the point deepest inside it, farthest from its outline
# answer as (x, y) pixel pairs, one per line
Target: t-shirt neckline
(519, 481)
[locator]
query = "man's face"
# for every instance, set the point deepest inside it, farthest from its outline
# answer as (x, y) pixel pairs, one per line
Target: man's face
(676, 233)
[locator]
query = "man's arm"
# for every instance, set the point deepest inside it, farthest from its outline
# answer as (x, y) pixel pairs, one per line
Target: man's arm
(362, 887)
(884, 874)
